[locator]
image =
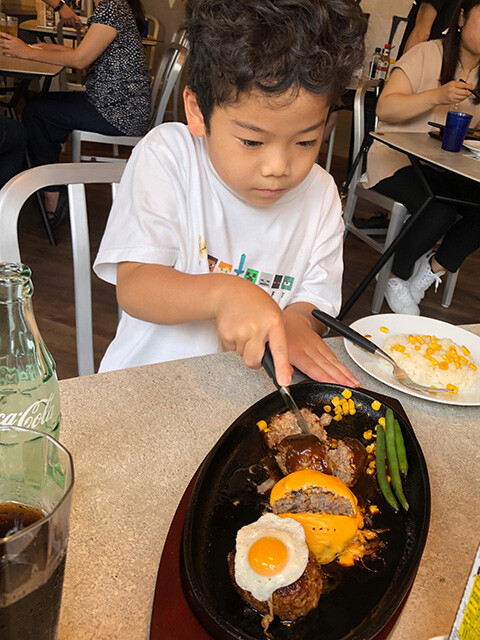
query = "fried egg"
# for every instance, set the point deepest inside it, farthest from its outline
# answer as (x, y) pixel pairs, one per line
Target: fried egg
(269, 553)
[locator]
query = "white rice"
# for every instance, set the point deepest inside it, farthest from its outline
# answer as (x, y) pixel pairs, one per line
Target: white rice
(461, 372)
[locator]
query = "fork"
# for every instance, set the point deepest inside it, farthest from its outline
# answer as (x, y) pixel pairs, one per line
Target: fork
(362, 342)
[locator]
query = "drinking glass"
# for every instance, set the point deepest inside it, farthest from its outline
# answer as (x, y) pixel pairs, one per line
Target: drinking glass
(456, 128)
(36, 481)
(9, 24)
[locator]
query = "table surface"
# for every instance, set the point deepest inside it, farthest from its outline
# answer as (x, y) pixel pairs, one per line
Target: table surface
(68, 32)
(429, 149)
(137, 437)
(17, 66)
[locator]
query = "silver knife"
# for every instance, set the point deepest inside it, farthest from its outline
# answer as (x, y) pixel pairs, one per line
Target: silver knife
(269, 367)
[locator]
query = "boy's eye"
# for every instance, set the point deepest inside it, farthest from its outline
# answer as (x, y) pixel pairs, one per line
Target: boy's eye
(251, 143)
(307, 143)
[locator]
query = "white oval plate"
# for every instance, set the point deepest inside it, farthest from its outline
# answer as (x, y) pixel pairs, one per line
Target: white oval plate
(473, 146)
(400, 323)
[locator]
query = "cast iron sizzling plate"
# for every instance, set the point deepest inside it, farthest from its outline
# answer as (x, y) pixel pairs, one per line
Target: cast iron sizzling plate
(225, 498)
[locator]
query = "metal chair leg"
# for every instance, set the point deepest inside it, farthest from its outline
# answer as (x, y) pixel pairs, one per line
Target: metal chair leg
(449, 289)
(46, 223)
(397, 218)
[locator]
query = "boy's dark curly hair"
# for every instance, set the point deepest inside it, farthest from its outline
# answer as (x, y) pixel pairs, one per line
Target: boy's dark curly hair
(272, 45)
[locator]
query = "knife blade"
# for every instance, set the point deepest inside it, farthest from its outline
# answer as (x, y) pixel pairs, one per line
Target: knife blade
(267, 363)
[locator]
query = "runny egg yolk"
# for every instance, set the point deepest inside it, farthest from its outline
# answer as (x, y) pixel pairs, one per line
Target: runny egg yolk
(268, 556)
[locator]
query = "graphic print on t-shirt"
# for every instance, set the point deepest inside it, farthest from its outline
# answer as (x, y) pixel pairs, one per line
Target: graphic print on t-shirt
(276, 282)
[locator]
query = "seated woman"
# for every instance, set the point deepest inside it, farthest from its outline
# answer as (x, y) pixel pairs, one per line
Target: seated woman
(424, 86)
(117, 96)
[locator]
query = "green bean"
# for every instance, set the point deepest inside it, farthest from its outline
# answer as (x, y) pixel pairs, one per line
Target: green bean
(382, 469)
(393, 459)
(400, 445)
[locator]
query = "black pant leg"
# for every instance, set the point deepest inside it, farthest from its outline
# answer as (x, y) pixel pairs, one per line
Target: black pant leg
(463, 237)
(13, 144)
(405, 187)
(51, 117)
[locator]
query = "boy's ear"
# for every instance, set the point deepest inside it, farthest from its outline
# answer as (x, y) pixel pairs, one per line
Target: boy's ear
(196, 124)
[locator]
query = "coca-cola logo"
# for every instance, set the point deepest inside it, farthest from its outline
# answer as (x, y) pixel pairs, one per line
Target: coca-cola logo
(38, 413)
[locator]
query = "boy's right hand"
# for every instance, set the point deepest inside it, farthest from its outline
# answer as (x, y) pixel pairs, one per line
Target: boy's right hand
(247, 318)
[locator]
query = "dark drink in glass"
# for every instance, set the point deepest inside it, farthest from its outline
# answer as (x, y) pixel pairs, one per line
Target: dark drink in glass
(36, 479)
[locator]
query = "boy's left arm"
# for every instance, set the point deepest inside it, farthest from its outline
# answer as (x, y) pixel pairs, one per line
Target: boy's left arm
(308, 352)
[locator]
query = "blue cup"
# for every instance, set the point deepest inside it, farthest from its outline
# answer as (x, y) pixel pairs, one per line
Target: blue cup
(455, 130)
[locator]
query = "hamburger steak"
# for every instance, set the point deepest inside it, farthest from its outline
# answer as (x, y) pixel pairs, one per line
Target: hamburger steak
(291, 602)
(295, 451)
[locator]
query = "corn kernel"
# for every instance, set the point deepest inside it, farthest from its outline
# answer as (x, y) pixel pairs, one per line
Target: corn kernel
(416, 347)
(420, 340)
(335, 401)
(427, 356)
(447, 358)
(472, 366)
(465, 350)
(407, 355)
(370, 472)
(443, 366)
(338, 409)
(399, 347)
(463, 360)
(372, 464)
(429, 351)
(434, 346)
(351, 404)
(327, 408)
(412, 339)
(368, 434)
(389, 479)
(457, 363)
(367, 335)
(381, 421)
(434, 361)
(338, 417)
(262, 425)
(384, 329)
(376, 405)
(352, 412)
(373, 509)
(370, 448)
(346, 393)
(452, 388)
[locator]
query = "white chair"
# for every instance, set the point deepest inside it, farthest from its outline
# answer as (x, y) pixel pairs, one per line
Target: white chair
(168, 75)
(76, 176)
(397, 210)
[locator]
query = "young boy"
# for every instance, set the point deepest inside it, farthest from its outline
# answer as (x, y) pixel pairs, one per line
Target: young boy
(226, 234)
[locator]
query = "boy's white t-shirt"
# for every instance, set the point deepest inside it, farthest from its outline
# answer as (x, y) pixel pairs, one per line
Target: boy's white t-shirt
(173, 209)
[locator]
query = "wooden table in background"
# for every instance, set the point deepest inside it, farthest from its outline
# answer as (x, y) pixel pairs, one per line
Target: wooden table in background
(25, 71)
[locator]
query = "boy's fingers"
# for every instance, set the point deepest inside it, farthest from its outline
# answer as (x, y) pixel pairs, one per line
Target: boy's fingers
(253, 353)
(279, 349)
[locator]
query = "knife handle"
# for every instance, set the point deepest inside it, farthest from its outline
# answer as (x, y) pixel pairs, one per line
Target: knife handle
(267, 364)
(345, 331)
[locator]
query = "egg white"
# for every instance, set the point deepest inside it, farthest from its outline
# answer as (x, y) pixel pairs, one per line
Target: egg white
(288, 531)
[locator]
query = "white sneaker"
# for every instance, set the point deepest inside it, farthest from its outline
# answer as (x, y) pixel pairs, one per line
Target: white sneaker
(399, 298)
(423, 277)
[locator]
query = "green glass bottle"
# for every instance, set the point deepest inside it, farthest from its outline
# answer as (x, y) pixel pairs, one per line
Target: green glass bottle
(29, 394)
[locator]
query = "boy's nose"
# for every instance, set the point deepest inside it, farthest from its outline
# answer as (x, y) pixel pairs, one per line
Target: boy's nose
(276, 164)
